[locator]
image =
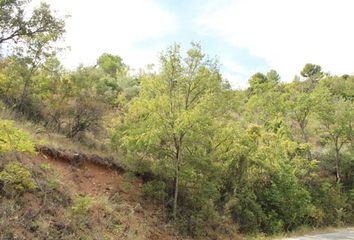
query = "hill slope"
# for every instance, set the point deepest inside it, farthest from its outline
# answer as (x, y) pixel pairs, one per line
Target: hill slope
(78, 198)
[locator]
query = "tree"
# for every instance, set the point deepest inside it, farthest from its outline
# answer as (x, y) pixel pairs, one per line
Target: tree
(34, 37)
(262, 172)
(36, 49)
(273, 76)
(301, 101)
(313, 73)
(111, 64)
(171, 120)
(266, 97)
(300, 105)
(260, 82)
(14, 24)
(85, 113)
(255, 81)
(336, 116)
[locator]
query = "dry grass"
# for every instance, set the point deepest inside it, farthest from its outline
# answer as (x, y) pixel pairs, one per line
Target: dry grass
(42, 136)
(47, 212)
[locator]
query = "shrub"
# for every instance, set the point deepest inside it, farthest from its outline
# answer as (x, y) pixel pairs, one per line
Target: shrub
(85, 114)
(155, 189)
(82, 205)
(13, 139)
(126, 184)
(333, 202)
(16, 179)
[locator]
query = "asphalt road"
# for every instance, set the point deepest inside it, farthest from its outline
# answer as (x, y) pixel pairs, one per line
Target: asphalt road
(338, 235)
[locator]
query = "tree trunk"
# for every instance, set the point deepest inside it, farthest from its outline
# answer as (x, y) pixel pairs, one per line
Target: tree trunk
(24, 95)
(306, 140)
(337, 166)
(25, 89)
(178, 160)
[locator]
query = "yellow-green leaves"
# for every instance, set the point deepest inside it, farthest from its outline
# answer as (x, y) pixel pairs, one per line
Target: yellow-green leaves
(13, 139)
(16, 178)
(170, 125)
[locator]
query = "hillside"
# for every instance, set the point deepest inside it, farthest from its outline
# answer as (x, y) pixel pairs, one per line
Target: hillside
(79, 199)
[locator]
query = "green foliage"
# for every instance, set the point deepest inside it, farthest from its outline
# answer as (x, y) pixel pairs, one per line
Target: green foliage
(155, 189)
(110, 64)
(312, 71)
(85, 114)
(256, 159)
(332, 202)
(34, 36)
(285, 202)
(126, 184)
(169, 123)
(13, 139)
(267, 159)
(266, 97)
(260, 83)
(15, 24)
(82, 205)
(16, 179)
(262, 188)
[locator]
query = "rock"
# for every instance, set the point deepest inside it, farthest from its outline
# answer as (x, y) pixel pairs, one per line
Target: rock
(88, 174)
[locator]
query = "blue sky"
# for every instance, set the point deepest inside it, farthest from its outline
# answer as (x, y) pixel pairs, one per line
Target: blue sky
(245, 35)
(213, 45)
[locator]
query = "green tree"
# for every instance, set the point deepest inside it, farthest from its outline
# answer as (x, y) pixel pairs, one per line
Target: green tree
(171, 120)
(336, 116)
(266, 99)
(35, 38)
(15, 24)
(111, 64)
(312, 72)
(263, 168)
(301, 102)
(300, 106)
(34, 54)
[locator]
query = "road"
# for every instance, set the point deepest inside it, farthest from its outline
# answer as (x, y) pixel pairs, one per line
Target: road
(343, 234)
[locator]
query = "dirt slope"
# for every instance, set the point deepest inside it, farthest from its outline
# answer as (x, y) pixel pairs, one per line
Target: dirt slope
(140, 217)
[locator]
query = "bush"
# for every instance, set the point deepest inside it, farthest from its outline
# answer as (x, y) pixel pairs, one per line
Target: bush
(126, 184)
(16, 179)
(13, 139)
(155, 189)
(82, 205)
(333, 202)
(246, 211)
(85, 114)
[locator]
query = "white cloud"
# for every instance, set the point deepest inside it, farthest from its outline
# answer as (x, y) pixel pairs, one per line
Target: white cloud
(236, 73)
(288, 34)
(235, 67)
(115, 27)
(236, 81)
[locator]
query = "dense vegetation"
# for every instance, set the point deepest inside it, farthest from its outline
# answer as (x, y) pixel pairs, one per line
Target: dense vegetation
(271, 158)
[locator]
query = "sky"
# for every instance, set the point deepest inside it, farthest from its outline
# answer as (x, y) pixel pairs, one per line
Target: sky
(247, 36)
